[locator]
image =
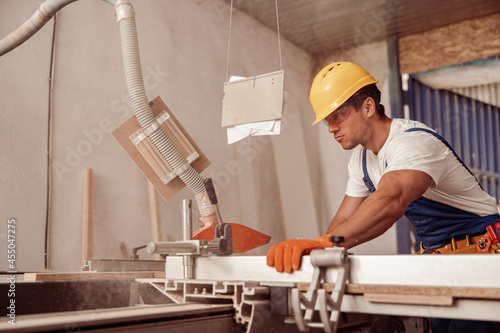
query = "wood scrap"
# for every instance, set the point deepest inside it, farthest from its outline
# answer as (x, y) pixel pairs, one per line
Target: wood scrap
(88, 217)
(123, 249)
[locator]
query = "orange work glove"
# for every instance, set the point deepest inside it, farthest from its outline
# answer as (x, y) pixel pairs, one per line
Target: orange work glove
(288, 253)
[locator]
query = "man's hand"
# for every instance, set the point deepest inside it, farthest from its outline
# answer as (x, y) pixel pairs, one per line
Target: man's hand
(288, 254)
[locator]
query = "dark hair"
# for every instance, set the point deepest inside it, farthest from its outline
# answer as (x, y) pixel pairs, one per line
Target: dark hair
(368, 91)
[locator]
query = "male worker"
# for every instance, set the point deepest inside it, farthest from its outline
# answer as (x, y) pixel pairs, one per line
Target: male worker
(397, 167)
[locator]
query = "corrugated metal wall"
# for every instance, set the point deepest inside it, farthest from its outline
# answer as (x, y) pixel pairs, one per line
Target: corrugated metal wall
(472, 127)
(489, 93)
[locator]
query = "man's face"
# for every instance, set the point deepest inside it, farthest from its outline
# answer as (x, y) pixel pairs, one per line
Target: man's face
(352, 130)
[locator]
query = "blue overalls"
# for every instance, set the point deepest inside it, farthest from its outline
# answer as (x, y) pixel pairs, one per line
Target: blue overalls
(434, 222)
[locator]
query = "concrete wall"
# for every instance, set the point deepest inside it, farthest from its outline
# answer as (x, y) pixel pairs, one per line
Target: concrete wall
(287, 186)
(23, 137)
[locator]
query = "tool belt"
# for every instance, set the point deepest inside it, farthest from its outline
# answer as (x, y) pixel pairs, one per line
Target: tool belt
(481, 244)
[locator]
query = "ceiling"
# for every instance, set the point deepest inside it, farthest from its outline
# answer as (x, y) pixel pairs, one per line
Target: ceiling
(322, 26)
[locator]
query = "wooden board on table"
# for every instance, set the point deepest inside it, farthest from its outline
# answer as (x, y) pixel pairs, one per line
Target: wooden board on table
(411, 294)
(85, 276)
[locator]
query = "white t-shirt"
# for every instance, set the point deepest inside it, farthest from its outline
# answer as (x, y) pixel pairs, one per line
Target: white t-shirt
(451, 183)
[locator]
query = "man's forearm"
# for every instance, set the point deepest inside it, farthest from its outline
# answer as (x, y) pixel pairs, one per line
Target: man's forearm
(373, 217)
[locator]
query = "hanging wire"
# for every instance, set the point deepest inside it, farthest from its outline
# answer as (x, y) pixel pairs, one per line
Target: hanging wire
(278, 26)
(229, 41)
(229, 38)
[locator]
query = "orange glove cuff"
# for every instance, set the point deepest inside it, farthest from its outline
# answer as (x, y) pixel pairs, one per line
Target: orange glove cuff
(325, 240)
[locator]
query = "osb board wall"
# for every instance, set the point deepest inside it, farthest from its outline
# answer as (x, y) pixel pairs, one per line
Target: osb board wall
(450, 45)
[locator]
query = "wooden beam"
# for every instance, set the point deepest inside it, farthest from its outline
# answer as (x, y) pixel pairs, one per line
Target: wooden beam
(123, 249)
(88, 217)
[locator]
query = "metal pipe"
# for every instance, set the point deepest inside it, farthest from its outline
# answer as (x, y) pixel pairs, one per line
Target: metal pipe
(187, 219)
(172, 247)
(187, 260)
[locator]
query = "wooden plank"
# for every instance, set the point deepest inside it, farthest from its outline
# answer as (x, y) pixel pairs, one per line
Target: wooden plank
(176, 137)
(124, 131)
(84, 276)
(187, 149)
(409, 299)
(456, 292)
(88, 217)
(154, 158)
(155, 217)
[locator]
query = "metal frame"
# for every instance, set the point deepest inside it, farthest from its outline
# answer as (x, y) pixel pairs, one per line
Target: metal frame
(470, 126)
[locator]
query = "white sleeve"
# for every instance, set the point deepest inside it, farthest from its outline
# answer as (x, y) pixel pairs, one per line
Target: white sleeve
(355, 185)
(418, 151)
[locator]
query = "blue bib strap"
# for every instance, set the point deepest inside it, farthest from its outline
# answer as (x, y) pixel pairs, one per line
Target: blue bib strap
(366, 179)
(443, 140)
(434, 222)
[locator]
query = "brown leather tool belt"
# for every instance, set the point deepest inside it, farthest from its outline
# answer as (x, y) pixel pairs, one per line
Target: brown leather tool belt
(481, 244)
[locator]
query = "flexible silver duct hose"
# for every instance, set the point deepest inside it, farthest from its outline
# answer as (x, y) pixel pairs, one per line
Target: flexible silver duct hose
(43, 14)
(137, 93)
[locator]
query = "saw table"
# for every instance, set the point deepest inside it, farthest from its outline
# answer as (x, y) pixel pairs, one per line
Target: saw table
(243, 293)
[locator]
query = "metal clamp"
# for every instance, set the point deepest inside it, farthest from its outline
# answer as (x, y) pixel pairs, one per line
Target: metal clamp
(180, 170)
(305, 304)
(151, 128)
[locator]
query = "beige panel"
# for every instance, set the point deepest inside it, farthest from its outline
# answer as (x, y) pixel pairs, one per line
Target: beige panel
(454, 44)
(253, 99)
(24, 86)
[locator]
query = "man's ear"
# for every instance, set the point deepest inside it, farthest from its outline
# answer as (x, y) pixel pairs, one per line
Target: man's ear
(371, 109)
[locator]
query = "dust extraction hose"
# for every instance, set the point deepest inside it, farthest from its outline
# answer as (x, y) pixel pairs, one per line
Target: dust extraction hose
(140, 103)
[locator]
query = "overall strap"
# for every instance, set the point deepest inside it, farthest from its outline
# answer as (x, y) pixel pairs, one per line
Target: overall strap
(414, 129)
(366, 179)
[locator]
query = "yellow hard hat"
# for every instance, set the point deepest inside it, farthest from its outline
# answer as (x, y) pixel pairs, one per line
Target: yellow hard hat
(334, 85)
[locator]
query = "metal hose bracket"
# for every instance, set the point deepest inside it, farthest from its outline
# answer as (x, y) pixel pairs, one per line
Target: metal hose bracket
(204, 205)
